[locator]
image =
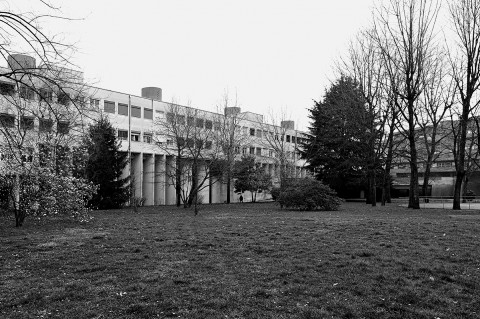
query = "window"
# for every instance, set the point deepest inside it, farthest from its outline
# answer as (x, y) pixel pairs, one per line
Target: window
(46, 95)
(444, 164)
(208, 145)
(7, 120)
(63, 98)
(259, 151)
(237, 150)
(170, 142)
(288, 138)
(122, 109)
(181, 119)
(148, 114)
(199, 123)
(109, 107)
(135, 137)
(27, 155)
(270, 153)
(259, 133)
(7, 88)
(293, 139)
(94, 102)
(252, 150)
(147, 138)
(190, 142)
(170, 118)
(216, 126)
(190, 121)
(26, 93)
(122, 135)
(252, 132)
(26, 123)
(45, 125)
(244, 151)
(160, 114)
(63, 127)
(208, 124)
(136, 111)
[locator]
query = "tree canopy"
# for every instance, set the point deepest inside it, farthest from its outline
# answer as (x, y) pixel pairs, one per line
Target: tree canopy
(251, 176)
(104, 165)
(337, 147)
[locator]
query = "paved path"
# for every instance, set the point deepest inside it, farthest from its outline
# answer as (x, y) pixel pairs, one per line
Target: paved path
(448, 205)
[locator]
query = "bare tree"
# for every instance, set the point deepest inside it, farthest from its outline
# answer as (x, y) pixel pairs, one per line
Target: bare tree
(435, 103)
(276, 135)
(43, 104)
(465, 15)
(404, 31)
(365, 65)
(230, 137)
(190, 137)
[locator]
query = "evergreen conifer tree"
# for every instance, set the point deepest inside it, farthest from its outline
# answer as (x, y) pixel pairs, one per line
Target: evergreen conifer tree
(104, 165)
(337, 146)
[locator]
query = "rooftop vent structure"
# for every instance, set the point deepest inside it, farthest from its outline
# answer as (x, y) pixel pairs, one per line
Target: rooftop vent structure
(152, 92)
(21, 61)
(288, 125)
(232, 110)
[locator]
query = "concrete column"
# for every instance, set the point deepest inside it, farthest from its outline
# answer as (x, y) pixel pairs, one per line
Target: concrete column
(169, 179)
(137, 174)
(148, 178)
(203, 193)
(216, 190)
(159, 180)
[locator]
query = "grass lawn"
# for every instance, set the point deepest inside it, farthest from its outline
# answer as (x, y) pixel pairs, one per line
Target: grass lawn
(244, 261)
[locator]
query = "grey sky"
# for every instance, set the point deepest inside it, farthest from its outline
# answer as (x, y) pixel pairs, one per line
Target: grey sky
(277, 55)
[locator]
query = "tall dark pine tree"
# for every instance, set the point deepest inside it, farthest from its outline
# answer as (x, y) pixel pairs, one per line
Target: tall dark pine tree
(337, 149)
(104, 165)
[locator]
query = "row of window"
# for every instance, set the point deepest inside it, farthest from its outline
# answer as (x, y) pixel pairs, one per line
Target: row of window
(258, 151)
(420, 165)
(122, 109)
(28, 93)
(28, 123)
(262, 133)
(134, 136)
(179, 119)
(191, 121)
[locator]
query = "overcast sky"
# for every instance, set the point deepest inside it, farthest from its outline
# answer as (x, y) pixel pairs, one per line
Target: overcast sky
(274, 54)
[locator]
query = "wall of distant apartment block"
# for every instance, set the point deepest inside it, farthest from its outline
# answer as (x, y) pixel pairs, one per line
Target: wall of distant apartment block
(151, 165)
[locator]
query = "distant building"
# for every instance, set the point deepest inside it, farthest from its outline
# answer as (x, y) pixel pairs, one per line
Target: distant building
(134, 118)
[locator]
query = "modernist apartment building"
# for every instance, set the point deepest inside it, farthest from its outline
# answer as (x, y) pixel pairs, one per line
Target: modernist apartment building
(136, 119)
(443, 173)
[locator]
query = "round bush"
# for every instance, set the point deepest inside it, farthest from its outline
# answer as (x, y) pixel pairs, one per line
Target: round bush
(308, 194)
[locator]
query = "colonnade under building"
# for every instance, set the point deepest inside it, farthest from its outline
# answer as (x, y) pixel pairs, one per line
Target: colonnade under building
(150, 180)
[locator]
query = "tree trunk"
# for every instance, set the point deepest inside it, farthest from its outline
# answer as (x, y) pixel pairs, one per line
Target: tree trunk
(413, 200)
(460, 160)
(229, 180)
(426, 176)
(194, 188)
(373, 190)
(178, 180)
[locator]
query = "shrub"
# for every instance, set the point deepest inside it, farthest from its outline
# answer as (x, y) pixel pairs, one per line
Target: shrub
(308, 194)
(275, 192)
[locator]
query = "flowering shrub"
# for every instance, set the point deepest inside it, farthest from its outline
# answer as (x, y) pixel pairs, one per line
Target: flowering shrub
(51, 193)
(45, 189)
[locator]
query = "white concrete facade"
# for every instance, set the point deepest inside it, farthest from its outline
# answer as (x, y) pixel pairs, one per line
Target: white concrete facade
(151, 164)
